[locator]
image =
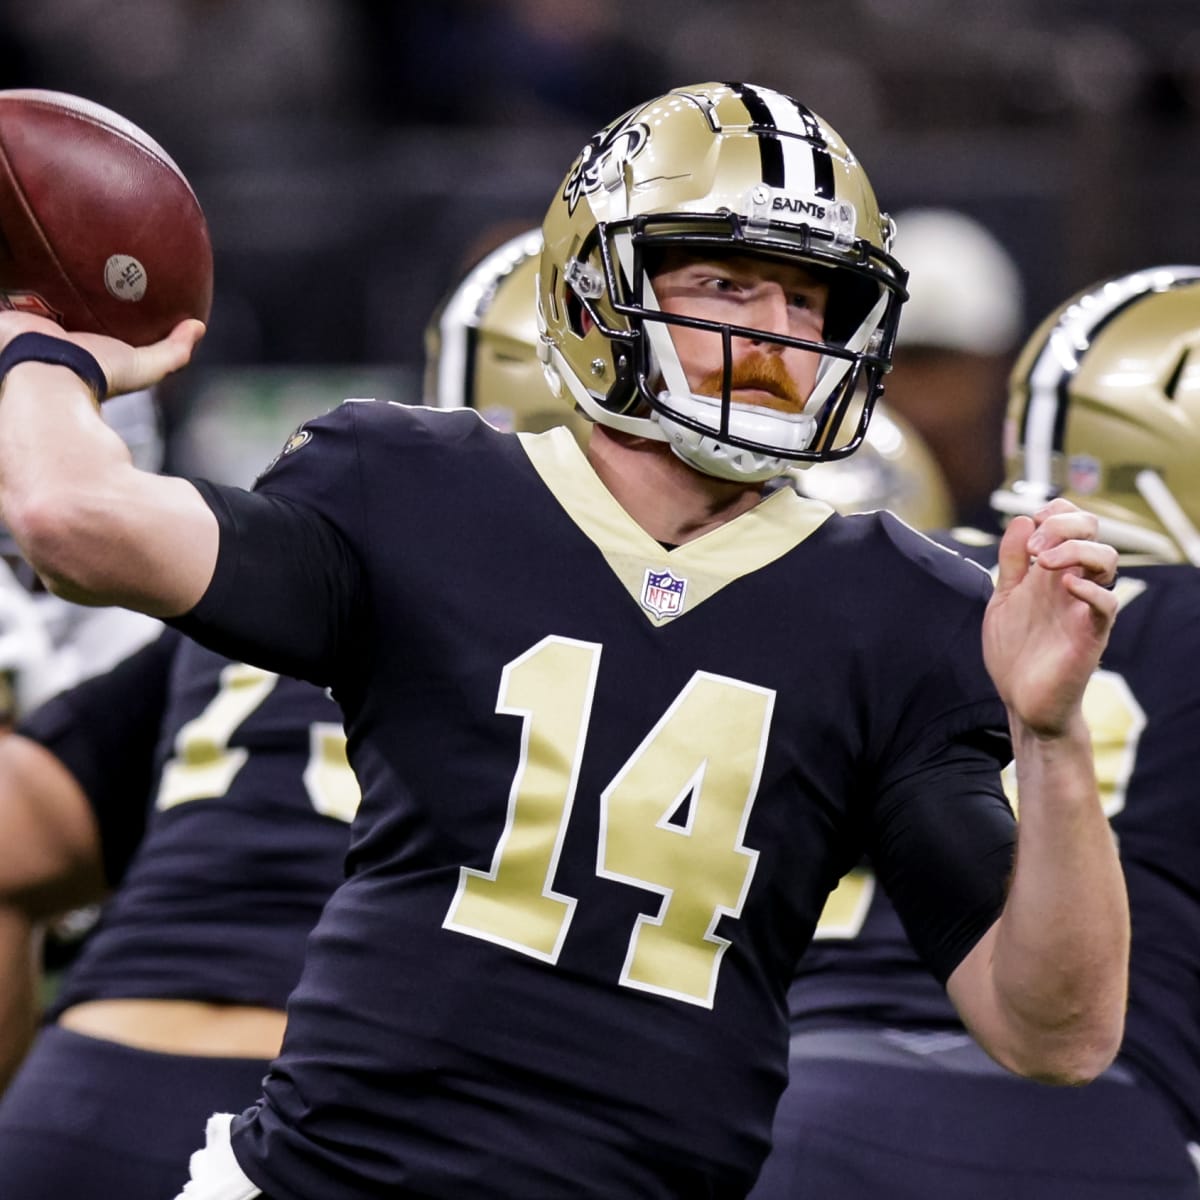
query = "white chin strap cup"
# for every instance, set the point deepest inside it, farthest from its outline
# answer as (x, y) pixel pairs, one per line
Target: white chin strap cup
(707, 453)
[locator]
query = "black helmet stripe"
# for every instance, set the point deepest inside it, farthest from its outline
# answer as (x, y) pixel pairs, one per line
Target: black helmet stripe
(773, 115)
(1048, 384)
(769, 148)
(822, 162)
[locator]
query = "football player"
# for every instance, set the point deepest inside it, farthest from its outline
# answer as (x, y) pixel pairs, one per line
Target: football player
(176, 1002)
(596, 835)
(889, 1096)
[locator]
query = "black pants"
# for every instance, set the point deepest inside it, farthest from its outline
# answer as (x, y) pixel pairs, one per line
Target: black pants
(867, 1118)
(87, 1119)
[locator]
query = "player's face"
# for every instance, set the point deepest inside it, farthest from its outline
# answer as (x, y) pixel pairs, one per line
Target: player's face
(776, 297)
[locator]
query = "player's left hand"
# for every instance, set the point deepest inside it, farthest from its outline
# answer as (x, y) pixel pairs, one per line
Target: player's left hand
(1049, 618)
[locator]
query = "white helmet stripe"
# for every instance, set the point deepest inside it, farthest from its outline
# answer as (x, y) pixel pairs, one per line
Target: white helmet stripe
(1060, 358)
(461, 315)
(798, 162)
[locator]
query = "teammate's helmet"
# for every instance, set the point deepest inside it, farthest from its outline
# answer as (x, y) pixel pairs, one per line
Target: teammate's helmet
(1104, 409)
(892, 469)
(481, 345)
(716, 168)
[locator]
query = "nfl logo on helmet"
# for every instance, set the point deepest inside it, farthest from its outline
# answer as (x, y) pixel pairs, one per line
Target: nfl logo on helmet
(662, 593)
(1083, 471)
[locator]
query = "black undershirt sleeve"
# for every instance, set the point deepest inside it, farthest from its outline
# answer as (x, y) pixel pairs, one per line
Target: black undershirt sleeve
(105, 731)
(287, 591)
(942, 844)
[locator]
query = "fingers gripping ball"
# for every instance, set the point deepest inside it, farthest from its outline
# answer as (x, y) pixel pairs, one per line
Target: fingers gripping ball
(99, 229)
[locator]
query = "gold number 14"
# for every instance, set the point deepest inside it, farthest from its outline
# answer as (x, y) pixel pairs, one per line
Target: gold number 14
(672, 821)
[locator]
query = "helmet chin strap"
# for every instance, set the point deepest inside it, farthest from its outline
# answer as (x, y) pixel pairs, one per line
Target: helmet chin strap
(720, 459)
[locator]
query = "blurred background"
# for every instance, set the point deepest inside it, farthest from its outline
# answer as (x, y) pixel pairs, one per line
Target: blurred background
(353, 156)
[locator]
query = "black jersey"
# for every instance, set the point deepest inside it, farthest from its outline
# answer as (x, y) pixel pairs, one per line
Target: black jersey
(606, 790)
(244, 836)
(1143, 709)
(105, 731)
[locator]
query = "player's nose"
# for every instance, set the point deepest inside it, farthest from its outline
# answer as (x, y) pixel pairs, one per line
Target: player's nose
(770, 314)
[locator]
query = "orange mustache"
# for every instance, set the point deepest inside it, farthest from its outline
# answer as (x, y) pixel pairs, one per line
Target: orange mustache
(762, 372)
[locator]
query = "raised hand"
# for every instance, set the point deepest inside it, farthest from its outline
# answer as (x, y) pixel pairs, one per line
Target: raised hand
(1049, 618)
(127, 368)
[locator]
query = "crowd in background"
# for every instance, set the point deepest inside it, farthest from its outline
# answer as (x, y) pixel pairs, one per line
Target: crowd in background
(346, 151)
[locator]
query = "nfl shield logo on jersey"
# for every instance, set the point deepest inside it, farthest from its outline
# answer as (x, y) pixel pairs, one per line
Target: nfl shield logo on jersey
(662, 593)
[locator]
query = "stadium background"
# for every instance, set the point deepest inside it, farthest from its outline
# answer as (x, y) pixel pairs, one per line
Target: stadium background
(353, 155)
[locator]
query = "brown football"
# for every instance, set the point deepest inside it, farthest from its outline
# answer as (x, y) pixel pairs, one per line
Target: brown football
(99, 229)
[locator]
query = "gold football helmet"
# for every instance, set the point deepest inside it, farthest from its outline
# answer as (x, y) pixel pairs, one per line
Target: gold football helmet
(716, 168)
(892, 469)
(1104, 409)
(481, 345)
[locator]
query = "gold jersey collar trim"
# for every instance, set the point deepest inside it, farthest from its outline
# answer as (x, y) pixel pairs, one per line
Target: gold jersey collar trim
(705, 565)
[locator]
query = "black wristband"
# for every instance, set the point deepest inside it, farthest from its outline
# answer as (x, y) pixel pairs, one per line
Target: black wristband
(41, 347)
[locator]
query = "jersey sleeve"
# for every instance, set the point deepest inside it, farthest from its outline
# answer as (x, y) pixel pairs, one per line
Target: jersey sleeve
(942, 845)
(105, 732)
(940, 832)
(287, 591)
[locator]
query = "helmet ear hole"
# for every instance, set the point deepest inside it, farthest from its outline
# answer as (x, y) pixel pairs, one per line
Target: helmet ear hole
(576, 314)
(550, 296)
(1172, 383)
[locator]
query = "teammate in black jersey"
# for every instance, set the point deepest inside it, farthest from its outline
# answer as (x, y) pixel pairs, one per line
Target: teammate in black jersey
(596, 835)
(888, 1095)
(176, 1004)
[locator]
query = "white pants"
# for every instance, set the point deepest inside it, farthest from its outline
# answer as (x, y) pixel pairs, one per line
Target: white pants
(215, 1174)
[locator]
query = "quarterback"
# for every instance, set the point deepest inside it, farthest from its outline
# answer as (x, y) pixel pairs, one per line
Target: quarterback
(597, 831)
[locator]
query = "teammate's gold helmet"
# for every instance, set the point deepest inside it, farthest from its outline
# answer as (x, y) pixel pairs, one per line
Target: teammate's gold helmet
(892, 469)
(481, 345)
(1104, 409)
(716, 168)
